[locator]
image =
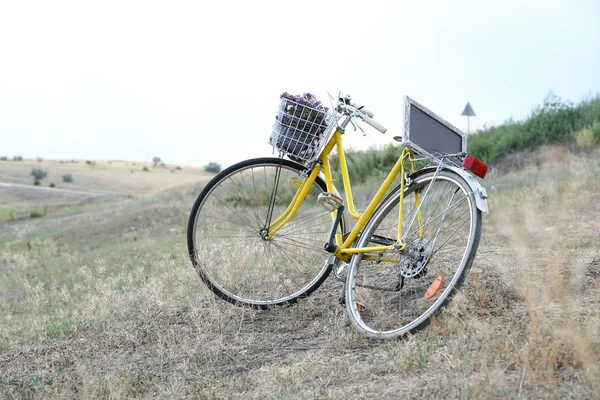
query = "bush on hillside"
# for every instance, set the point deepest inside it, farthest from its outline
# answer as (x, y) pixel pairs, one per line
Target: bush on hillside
(212, 167)
(553, 122)
(39, 174)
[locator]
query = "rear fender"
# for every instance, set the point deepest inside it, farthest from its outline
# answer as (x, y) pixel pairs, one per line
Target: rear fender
(479, 191)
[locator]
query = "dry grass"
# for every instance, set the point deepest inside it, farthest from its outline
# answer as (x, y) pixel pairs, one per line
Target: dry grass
(106, 305)
(119, 177)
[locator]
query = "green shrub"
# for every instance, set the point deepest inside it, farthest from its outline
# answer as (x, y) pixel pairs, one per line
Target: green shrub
(212, 167)
(39, 174)
(36, 182)
(3, 158)
(584, 140)
(178, 167)
(37, 213)
(52, 185)
(40, 159)
(17, 158)
(145, 169)
(67, 178)
(596, 132)
(553, 122)
(363, 164)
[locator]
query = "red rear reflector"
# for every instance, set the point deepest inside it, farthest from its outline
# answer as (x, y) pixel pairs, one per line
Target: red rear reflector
(475, 166)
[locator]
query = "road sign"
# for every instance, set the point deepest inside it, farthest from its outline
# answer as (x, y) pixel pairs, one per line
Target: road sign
(468, 111)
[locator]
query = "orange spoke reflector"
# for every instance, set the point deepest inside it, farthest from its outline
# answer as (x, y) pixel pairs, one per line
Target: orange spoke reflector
(360, 307)
(434, 288)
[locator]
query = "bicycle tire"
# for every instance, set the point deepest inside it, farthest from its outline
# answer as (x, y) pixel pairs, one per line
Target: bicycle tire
(227, 248)
(387, 299)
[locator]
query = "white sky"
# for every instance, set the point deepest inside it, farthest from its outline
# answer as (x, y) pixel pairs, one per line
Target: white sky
(199, 81)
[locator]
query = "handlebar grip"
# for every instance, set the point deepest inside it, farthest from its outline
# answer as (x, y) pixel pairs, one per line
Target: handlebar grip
(366, 112)
(374, 124)
(363, 110)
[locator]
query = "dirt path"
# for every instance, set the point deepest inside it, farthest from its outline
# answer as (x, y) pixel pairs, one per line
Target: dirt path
(56, 190)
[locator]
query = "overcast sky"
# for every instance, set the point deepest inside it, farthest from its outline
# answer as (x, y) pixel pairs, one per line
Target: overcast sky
(199, 81)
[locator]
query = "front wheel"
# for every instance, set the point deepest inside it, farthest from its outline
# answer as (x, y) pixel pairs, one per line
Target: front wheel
(390, 294)
(227, 238)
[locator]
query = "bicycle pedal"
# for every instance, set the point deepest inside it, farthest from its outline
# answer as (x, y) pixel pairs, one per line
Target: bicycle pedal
(330, 201)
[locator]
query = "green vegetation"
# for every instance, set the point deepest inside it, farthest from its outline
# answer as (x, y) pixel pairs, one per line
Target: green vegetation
(373, 162)
(553, 122)
(67, 178)
(38, 174)
(212, 167)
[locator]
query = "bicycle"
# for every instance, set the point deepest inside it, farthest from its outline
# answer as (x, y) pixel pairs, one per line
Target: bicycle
(268, 231)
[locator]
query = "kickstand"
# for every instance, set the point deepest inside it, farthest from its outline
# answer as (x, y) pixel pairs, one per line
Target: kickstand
(342, 298)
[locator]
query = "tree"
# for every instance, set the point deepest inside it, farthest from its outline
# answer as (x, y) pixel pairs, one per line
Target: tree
(212, 167)
(38, 174)
(155, 161)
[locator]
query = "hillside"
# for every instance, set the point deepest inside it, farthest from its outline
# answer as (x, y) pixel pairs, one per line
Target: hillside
(93, 182)
(553, 123)
(103, 302)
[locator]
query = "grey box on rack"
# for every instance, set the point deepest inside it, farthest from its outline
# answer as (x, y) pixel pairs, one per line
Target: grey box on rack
(428, 133)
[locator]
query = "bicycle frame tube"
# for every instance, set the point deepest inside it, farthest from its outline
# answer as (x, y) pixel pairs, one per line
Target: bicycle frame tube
(295, 204)
(344, 250)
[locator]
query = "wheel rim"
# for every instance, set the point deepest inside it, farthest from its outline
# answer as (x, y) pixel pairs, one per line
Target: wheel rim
(232, 253)
(378, 307)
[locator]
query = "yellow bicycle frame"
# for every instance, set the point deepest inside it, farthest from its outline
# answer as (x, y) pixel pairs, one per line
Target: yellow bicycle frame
(344, 249)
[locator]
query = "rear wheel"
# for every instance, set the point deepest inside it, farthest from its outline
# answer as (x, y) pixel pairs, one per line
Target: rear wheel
(390, 294)
(227, 238)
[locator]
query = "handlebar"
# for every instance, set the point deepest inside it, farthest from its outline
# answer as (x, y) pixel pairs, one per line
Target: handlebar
(347, 107)
(374, 124)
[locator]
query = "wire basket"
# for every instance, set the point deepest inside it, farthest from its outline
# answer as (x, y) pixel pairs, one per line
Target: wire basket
(300, 130)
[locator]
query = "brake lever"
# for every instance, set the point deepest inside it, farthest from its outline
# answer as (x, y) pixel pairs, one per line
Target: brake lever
(355, 124)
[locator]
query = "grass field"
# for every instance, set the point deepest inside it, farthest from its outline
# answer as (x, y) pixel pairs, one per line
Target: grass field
(99, 300)
(114, 177)
(94, 182)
